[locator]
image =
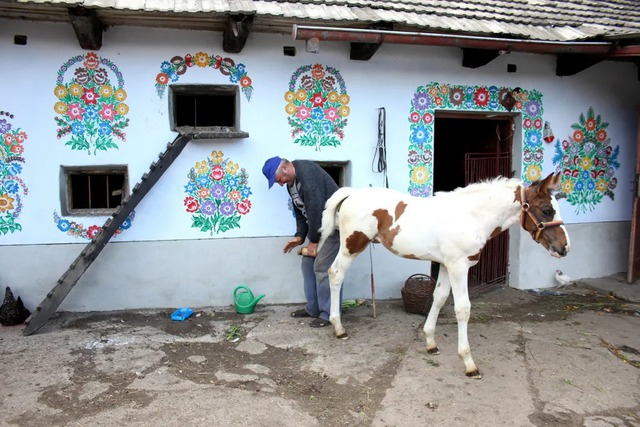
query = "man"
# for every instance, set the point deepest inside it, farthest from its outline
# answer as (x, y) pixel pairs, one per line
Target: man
(309, 187)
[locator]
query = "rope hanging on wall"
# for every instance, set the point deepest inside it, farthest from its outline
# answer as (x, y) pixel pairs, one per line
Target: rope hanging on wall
(381, 147)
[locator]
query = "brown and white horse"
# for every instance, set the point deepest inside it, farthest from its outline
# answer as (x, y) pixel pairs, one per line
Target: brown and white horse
(450, 228)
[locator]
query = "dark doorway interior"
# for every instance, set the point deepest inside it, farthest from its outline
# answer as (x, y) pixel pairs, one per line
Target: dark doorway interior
(455, 137)
(469, 148)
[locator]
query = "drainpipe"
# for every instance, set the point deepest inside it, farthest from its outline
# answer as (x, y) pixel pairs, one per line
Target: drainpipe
(304, 32)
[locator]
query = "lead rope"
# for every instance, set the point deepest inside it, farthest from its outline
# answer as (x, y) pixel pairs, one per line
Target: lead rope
(380, 167)
(373, 288)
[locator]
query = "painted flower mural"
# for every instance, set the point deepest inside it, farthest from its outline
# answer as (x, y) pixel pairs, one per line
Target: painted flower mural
(12, 188)
(587, 162)
(90, 108)
(218, 194)
(170, 71)
(76, 230)
(427, 99)
(316, 104)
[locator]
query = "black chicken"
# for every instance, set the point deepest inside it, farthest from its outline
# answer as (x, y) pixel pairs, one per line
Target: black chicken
(12, 311)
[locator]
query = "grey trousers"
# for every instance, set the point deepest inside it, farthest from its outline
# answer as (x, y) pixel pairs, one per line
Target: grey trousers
(315, 276)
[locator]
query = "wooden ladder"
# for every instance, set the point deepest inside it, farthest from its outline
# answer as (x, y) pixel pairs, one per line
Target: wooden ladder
(68, 280)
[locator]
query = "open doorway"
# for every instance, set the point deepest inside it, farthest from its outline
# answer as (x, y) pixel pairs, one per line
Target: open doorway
(469, 148)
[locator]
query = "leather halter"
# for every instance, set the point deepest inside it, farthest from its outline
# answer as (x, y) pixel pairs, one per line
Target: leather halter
(540, 226)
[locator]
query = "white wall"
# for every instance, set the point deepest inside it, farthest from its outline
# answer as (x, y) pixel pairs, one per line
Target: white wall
(188, 273)
(162, 261)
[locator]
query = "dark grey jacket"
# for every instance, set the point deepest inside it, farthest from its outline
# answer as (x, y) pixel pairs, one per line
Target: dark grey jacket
(316, 186)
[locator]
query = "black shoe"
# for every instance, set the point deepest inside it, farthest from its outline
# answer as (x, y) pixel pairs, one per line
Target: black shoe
(319, 323)
(300, 313)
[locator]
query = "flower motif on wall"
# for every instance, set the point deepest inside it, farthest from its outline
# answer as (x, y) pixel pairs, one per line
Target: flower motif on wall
(218, 194)
(12, 188)
(170, 71)
(76, 230)
(587, 162)
(90, 108)
(434, 96)
(316, 104)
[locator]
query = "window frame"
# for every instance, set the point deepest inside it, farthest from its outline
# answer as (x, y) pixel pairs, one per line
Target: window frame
(66, 188)
(343, 169)
(206, 132)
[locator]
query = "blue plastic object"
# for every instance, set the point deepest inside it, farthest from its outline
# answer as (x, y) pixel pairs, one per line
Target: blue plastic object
(181, 314)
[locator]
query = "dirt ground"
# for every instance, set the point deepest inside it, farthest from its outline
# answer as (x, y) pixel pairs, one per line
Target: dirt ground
(560, 360)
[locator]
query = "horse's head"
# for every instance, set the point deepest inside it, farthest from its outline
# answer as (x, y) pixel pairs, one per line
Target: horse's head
(540, 215)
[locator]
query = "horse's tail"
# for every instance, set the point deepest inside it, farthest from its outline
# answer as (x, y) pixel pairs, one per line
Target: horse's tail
(329, 215)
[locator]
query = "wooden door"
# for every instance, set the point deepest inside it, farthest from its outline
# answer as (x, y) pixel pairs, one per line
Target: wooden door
(633, 271)
(491, 270)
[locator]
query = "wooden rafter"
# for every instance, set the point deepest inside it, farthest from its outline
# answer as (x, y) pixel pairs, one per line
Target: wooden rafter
(236, 32)
(87, 26)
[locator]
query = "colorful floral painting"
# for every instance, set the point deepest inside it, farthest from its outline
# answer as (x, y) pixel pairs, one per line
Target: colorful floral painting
(76, 230)
(317, 106)
(218, 194)
(587, 162)
(12, 188)
(90, 108)
(427, 99)
(170, 71)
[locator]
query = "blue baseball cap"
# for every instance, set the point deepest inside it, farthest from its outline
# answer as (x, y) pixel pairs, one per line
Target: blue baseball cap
(269, 169)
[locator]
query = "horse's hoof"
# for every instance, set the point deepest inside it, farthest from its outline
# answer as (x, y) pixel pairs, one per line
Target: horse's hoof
(474, 374)
(434, 350)
(343, 336)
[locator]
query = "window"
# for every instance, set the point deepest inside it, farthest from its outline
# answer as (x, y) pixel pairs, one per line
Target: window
(208, 111)
(337, 170)
(93, 190)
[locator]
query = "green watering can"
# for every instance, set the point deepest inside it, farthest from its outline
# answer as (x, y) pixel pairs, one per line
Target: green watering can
(244, 300)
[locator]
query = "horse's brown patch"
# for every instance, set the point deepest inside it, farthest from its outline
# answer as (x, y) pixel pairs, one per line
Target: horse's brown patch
(410, 256)
(386, 234)
(356, 242)
(475, 257)
(400, 207)
(384, 219)
(495, 232)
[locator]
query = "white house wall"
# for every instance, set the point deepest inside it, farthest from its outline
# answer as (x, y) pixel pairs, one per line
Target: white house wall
(161, 261)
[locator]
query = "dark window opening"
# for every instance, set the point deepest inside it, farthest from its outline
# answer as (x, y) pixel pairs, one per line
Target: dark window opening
(205, 111)
(93, 191)
(337, 171)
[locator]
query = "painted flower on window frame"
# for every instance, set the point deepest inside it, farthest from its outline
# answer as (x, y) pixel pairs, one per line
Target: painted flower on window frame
(78, 230)
(217, 194)
(12, 188)
(588, 163)
(90, 108)
(170, 71)
(317, 106)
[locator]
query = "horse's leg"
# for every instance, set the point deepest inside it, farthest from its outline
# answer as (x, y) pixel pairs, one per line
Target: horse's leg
(440, 295)
(337, 272)
(458, 276)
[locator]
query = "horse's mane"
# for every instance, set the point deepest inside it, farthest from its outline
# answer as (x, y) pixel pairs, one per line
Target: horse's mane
(482, 185)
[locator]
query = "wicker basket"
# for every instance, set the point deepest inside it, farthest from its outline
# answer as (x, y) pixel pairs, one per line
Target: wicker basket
(417, 294)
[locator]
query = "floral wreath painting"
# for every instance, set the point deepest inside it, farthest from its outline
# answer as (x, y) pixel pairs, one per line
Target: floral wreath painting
(317, 106)
(218, 194)
(587, 162)
(76, 230)
(12, 188)
(90, 108)
(435, 96)
(170, 71)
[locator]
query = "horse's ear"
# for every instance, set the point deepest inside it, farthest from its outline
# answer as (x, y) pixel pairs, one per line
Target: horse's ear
(551, 183)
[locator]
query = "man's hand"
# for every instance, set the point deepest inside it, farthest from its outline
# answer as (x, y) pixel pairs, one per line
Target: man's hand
(295, 241)
(312, 249)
